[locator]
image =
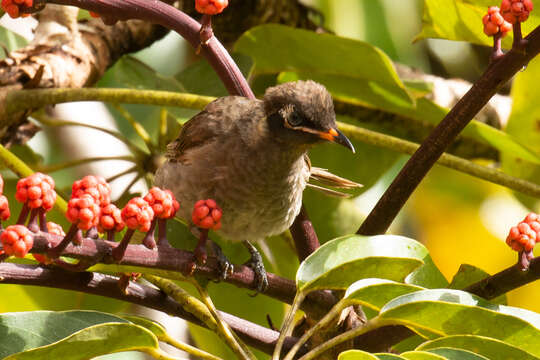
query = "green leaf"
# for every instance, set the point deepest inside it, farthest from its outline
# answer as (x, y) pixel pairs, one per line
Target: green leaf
(133, 73)
(342, 261)
(457, 354)
(356, 355)
(200, 78)
(375, 293)
(490, 348)
(451, 312)
(153, 326)
(388, 356)
(427, 275)
(277, 48)
(468, 275)
(421, 355)
(10, 40)
(462, 20)
(27, 330)
(94, 341)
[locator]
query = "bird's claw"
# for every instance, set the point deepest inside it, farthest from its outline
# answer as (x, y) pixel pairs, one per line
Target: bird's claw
(226, 268)
(257, 265)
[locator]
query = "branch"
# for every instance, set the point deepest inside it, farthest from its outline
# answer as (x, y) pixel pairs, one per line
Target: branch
(104, 285)
(498, 73)
(167, 260)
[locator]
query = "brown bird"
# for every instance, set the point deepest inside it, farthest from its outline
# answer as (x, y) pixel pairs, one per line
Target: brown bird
(251, 157)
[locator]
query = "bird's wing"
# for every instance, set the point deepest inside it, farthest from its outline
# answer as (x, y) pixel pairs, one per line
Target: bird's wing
(216, 119)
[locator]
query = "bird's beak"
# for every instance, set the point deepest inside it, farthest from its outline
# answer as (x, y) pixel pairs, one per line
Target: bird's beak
(337, 136)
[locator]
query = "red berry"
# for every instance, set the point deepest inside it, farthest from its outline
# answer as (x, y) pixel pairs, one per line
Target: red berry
(83, 211)
(36, 191)
(210, 7)
(94, 14)
(524, 236)
(516, 10)
(17, 240)
(207, 214)
(4, 208)
(110, 219)
(494, 22)
(96, 186)
(137, 214)
(162, 202)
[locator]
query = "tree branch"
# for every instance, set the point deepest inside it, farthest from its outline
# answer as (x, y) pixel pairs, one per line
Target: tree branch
(498, 73)
(173, 260)
(104, 285)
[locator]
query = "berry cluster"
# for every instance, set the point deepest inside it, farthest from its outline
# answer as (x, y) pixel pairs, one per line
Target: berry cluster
(17, 240)
(13, 7)
(36, 191)
(211, 7)
(494, 23)
(516, 10)
(526, 234)
(90, 209)
(207, 214)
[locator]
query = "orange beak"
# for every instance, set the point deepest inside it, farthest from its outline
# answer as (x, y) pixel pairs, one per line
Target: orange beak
(336, 136)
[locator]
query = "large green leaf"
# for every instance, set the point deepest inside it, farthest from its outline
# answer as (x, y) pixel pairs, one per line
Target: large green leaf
(491, 348)
(389, 356)
(462, 20)
(133, 73)
(456, 354)
(94, 341)
(277, 48)
(342, 261)
(356, 355)
(375, 293)
(27, 330)
(421, 355)
(452, 312)
(470, 274)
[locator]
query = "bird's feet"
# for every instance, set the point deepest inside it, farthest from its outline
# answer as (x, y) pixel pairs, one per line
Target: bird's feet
(257, 265)
(225, 266)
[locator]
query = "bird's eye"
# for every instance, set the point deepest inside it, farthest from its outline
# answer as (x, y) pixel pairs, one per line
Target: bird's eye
(295, 119)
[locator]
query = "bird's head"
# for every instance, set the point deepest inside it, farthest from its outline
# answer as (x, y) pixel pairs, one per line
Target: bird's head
(302, 113)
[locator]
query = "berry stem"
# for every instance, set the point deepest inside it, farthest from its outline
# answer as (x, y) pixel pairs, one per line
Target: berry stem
(32, 223)
(497, 52)
(23, 215)
(119, 251)
(42, 220)
(523, 261)
(110, 235)
(55, 252)
(206, 31)
(162, 233)
(518, 42)
(200, 249)
(92, 233)
(149, 240)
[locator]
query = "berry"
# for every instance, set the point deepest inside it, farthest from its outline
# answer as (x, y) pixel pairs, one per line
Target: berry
(13, 7)
(210, 7)
(96, 186)
(17, 240)
(526, 234)
(162, 202)
(83, 211)
(137, 214)
(494, 23)
(110, 219)
(207, 214)
(516, 10)
(4, 208)
(36, 191)
(94, 14)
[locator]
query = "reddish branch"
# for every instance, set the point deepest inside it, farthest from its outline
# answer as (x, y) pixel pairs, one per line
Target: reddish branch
(496, 75)
(98, 284)
(168, 258)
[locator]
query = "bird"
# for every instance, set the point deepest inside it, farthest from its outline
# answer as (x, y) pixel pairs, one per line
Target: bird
(250, 156)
